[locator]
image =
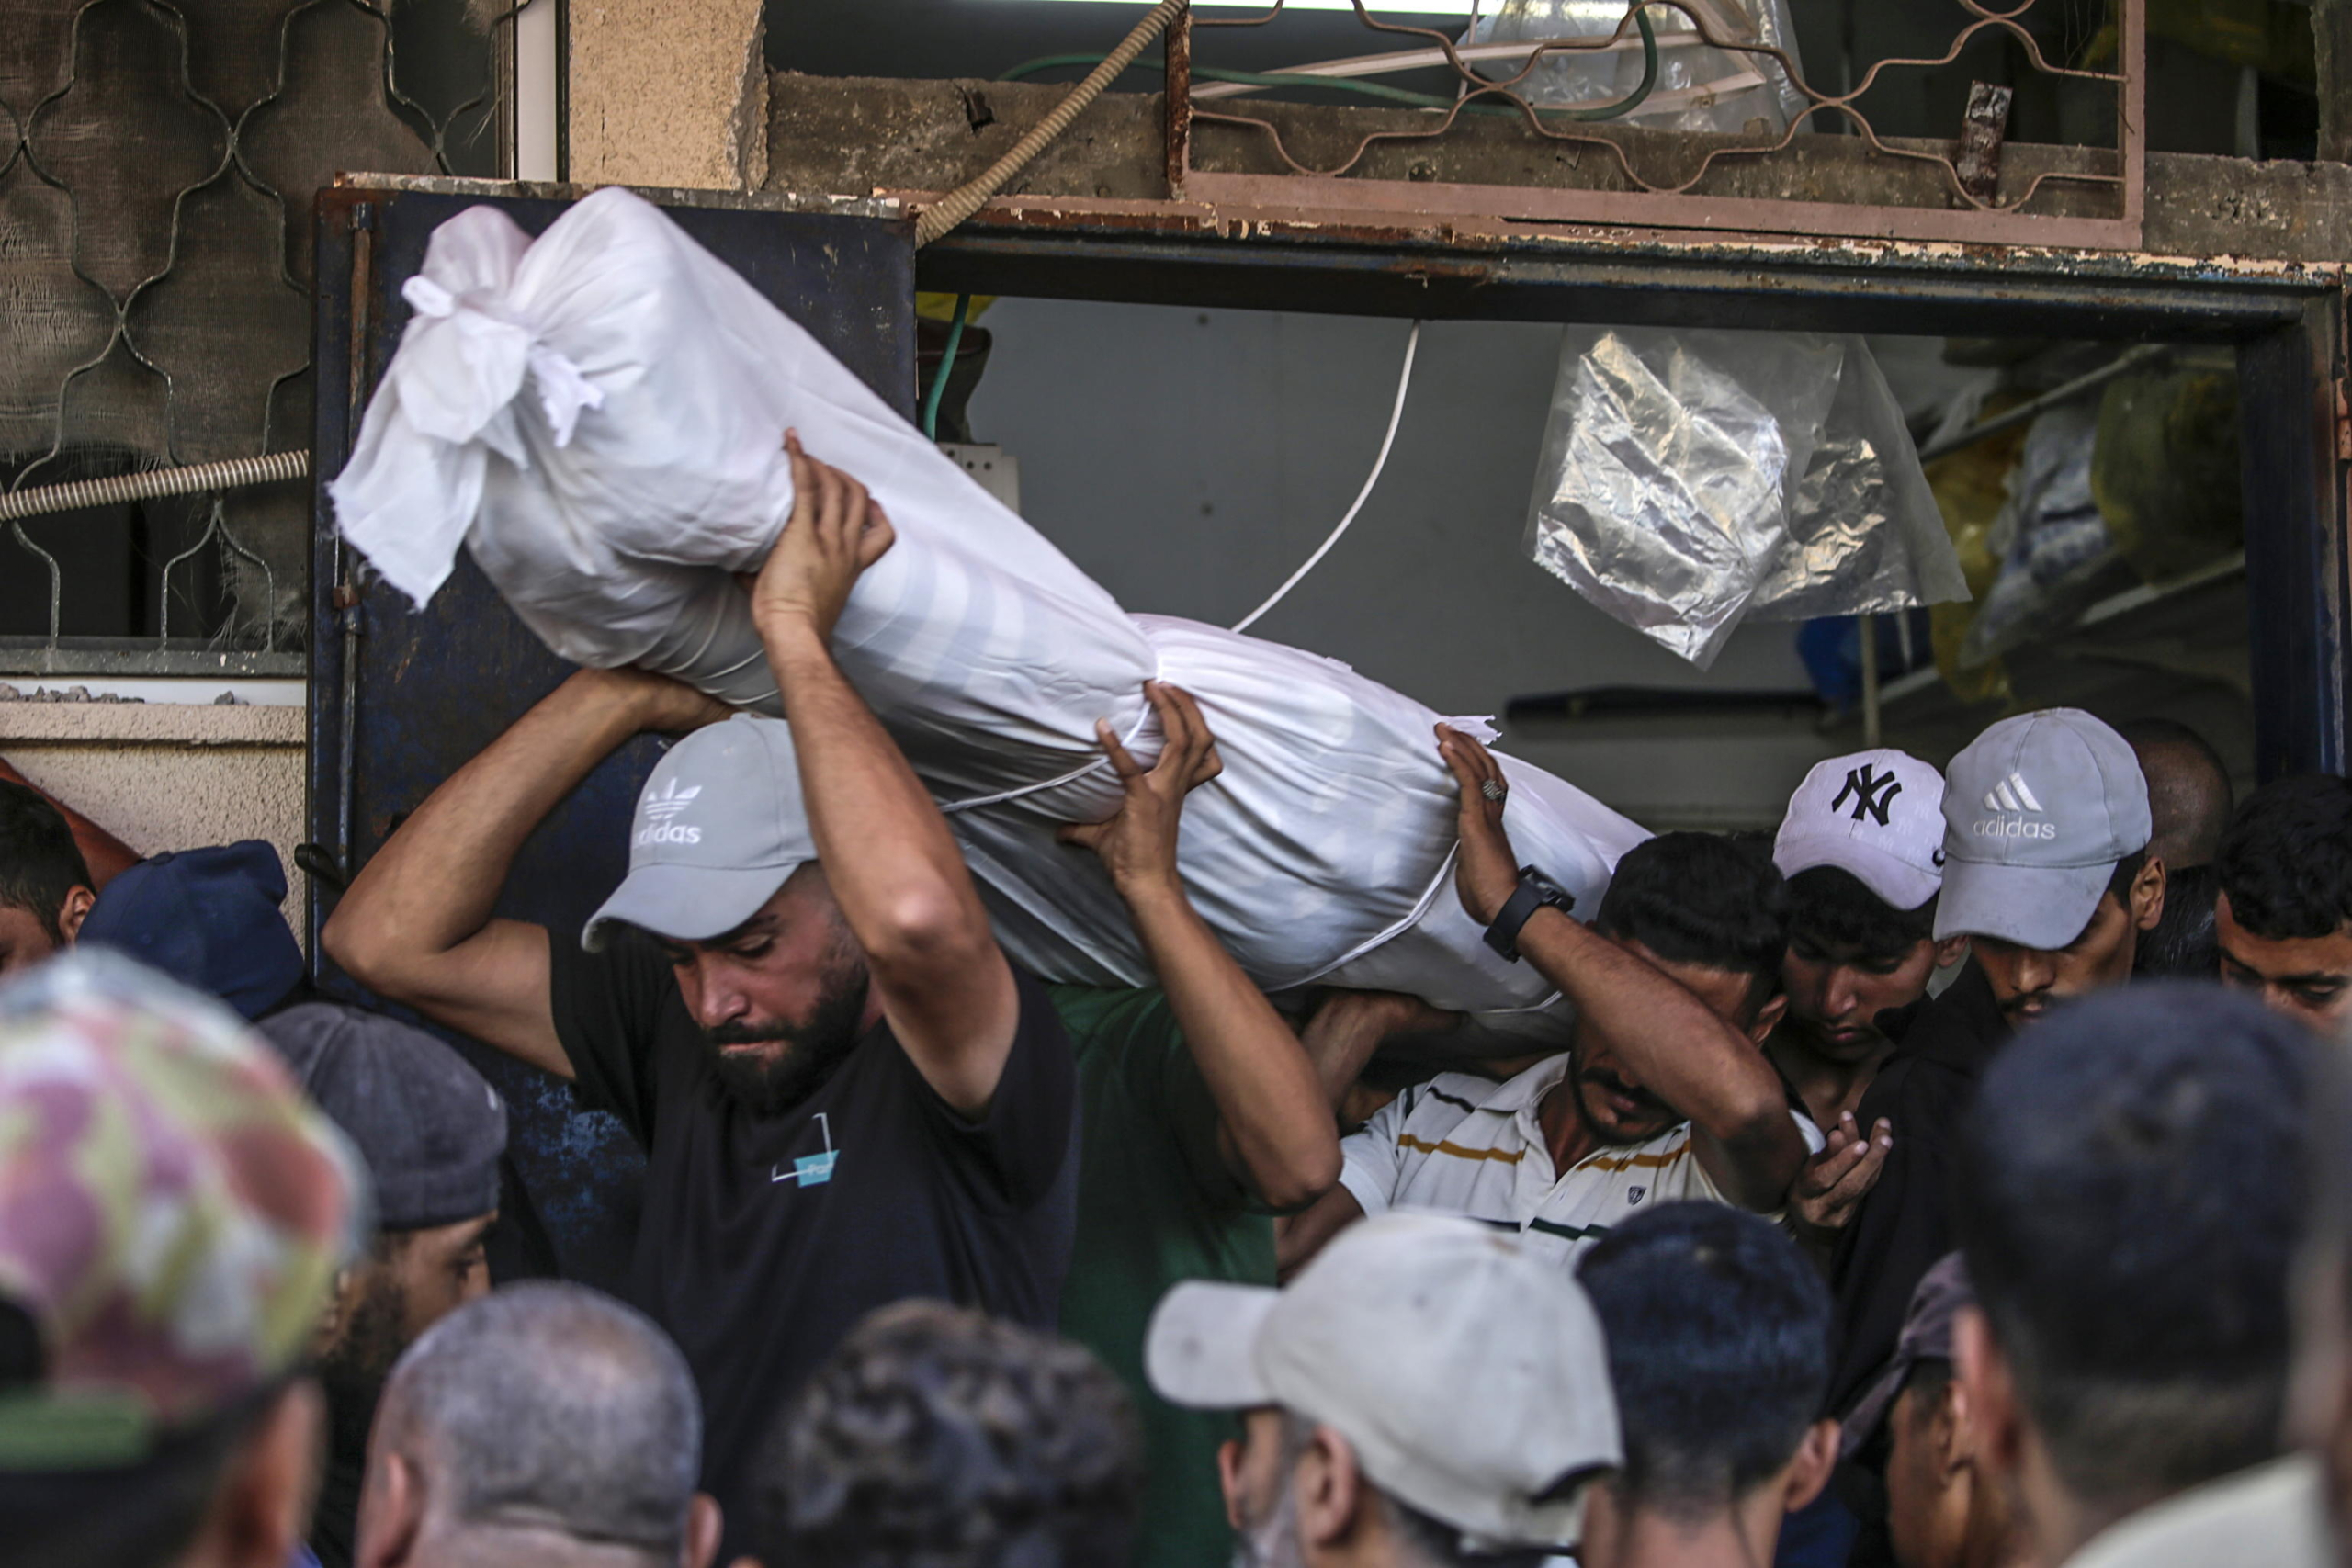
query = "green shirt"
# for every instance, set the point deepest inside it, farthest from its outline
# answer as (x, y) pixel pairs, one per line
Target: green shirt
(1156, 1204)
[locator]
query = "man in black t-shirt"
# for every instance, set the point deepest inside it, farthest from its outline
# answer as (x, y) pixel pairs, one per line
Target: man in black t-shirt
(794, 1002)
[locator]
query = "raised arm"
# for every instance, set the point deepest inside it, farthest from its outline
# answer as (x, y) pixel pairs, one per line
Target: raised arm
(1341, 1039)
(1671, 1042)
(414, 925)
(893, 867)
(1275, 1129)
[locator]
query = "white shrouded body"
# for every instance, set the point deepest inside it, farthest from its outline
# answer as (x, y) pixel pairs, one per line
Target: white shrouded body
(611, 506)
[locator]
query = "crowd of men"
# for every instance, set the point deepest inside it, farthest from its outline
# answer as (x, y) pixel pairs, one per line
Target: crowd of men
(1958, 1179)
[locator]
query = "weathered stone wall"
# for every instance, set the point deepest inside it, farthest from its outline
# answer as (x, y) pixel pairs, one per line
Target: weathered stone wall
(171, 775)
(669, 93)
(854, 136)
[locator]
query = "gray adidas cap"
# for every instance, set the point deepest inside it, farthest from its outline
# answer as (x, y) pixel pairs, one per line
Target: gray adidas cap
(2038, 810)
(719, 827)
(1469, 1375)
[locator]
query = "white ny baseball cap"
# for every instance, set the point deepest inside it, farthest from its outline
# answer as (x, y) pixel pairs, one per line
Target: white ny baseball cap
(2038, 812)
(1878, 815)
(1469, 1375)
(717, 828)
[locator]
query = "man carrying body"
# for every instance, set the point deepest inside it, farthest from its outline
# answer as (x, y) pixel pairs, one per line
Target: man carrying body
(1427, 1394)
(1202, 1113)
(1863, 848)
(2284, 914)
(934, 1437)
(846, 1095)
(2046, 873)
(1665, 1093)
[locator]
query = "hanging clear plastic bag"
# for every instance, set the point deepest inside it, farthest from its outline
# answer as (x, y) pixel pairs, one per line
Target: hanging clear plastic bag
(1698, 88)
(1689, 479)
(1866, 535)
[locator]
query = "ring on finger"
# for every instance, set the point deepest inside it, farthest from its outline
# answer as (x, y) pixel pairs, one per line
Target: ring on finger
(1493, 789)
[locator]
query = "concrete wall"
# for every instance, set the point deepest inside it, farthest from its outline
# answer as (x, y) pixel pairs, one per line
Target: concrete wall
(1190, 460)
(171, 775)
(669, 93)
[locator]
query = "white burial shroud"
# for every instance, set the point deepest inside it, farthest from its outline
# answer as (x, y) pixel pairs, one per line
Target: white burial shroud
(597, 416)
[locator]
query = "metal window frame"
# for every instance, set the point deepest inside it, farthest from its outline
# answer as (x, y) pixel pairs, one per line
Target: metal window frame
(2287, 323)
(1976, 219)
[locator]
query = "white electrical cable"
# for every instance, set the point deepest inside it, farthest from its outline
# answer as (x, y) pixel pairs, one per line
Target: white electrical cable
(1404, 383)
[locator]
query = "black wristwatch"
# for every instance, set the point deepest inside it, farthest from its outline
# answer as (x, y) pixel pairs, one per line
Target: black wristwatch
(1535, 891)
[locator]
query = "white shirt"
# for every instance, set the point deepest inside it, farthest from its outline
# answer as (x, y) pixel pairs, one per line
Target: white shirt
(2274, 1515)
(1465, 1145)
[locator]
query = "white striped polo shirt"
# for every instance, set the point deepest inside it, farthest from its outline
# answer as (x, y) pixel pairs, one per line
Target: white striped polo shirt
(1465, 1145)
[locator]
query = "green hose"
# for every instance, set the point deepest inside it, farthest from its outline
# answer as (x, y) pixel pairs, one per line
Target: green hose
(1623, 106)
(947, 368)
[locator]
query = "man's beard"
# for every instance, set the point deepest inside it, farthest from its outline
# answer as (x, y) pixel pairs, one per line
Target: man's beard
(353, 1369)
(1273, 1541)
(770, 1083)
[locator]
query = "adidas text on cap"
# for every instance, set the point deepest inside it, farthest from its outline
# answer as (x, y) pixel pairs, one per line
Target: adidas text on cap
(1469, 1376)
(1877, 815)
(2038, 812)
(718, 828)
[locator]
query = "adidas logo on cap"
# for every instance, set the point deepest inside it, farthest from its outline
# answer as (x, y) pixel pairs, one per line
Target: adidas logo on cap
(2012, 794)
(661, 814)
(2014, 800)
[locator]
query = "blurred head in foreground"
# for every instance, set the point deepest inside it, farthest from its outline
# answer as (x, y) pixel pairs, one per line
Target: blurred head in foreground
(545, 1426)
(1718, 1334)
(172, 1215)
(2138, 1173)
(936, 1437)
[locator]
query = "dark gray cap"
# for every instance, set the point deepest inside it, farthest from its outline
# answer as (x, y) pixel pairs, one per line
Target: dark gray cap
(1926, 1336)
(429, 1126)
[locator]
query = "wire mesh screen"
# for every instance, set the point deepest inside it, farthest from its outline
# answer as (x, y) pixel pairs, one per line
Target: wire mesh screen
(155, 231)
(1672, 113)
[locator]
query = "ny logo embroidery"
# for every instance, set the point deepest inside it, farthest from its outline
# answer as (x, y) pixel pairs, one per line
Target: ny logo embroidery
(1873, 790)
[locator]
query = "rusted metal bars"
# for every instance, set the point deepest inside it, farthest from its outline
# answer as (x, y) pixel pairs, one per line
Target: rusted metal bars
(443, 135)
(1980, 214)
(1178, 100)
